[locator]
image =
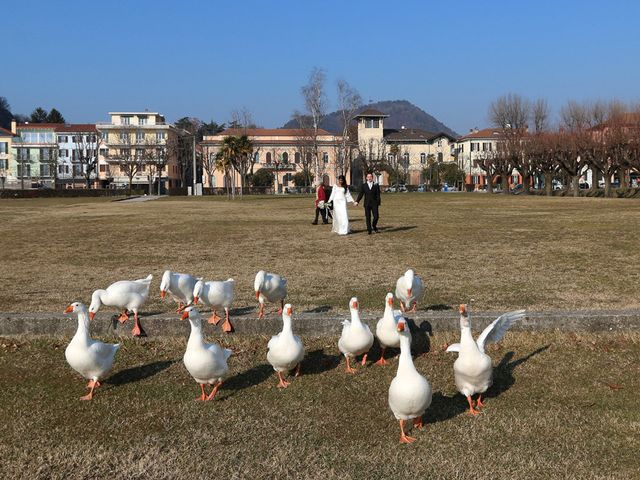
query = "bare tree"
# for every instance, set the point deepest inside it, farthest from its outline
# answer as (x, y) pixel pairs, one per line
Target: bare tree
(349, 101)
(85, 154)
(315, 103)
(510, 113)
(129, 158)
(373, 155)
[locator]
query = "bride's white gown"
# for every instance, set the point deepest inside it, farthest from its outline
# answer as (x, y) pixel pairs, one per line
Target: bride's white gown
(340, 216)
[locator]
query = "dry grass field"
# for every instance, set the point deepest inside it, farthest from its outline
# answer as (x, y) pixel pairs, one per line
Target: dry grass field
(505, 252)
(563, 406)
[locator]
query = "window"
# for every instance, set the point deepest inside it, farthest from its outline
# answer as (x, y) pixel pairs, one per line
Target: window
(125, 152)
(405, 158)
(77, 170)
(423, 158)
(285, 157)
(139, 137)
(24, 167)
(44, 170)
(103, 152)
(268, 157)
(90, 139)
(486, 146)
(74, 155)
(63, 153)
(139, 152)
(124, 137)
(4, 147)
(462, 148)
(439, 143)
(390, 157)
(256, 157)
(142, 120)
(143, 167)
(296, 157)
(63, 138)
(325, 158)
(3, 164)
(439, 157)
(125, 120)
(159, 136)
(105, 136)
(45, 154)
(23, 154)
(475, 164)
(371, 123)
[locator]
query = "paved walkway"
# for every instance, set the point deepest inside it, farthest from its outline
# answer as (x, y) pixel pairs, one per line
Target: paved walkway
(314, 323)
(142, 198)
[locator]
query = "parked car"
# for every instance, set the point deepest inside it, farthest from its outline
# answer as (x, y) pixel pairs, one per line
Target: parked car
(421, 188)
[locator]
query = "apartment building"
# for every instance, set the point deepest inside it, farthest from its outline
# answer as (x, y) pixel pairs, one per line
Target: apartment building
(77, 154)
(6, 143)
(137, 145)
(34, 155)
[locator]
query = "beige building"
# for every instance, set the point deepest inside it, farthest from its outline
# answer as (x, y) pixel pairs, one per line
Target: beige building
(7, 175)
(282, 151)
(478, 145)
(138, 143)
(410, 149)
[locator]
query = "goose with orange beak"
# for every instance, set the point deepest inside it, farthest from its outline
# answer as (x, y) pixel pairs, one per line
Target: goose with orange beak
(472, 369)
(126, 295)
(269, 287)
(206, 362)
(386, 328)
(409, 392)
(285, 350)
(356, 338)
(409, 289)
(90, 358)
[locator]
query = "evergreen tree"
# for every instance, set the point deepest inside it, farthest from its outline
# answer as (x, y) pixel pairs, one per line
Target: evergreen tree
(39, 115)
(55, 117)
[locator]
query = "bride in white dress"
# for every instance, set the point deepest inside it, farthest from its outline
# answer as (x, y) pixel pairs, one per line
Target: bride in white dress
(340, 195)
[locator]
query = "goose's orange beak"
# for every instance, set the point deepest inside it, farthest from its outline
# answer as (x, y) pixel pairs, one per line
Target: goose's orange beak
(355, 304)
(195, 300)
(409, 291)
(257, 294)
(401, 327)
(184, 315)
(463, 309)
(92, 315)
(163, 293)
(69, 309)
(289, 311)
(390, 302)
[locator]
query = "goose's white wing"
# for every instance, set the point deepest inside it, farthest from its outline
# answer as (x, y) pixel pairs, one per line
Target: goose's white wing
(103, 351)
(454, 347)
(496, 330)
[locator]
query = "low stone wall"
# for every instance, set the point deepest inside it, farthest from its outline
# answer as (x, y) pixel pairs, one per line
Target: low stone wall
(63, 193)
(313, 324)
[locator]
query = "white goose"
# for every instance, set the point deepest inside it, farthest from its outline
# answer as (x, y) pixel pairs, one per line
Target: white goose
(127, 295)
(409, 289)
(206, 362)
(216, 295)
(285, 350)
(270, 287)
(179, 286)
(387, 329)
(409, 392)
(472, 369)
(356, 338)
(90, 358)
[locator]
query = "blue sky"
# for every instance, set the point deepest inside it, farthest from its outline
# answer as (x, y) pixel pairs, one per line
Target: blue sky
(207, 58)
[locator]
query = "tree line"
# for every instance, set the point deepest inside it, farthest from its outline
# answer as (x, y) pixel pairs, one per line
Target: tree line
(601, 136)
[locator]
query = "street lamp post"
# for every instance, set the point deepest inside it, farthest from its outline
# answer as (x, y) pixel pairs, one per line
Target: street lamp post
(276, 163)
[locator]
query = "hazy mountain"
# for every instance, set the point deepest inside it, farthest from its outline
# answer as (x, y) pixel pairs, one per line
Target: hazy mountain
(401, 112)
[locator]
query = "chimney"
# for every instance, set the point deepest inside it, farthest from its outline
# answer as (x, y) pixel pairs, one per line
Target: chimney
(14, 126)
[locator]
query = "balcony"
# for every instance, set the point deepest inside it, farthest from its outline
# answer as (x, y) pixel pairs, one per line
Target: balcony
(281, 167)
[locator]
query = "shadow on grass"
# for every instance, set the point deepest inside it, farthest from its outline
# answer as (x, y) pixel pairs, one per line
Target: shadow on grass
(437, 307)
(444, 408)
(249, 378)
(420, 341)
(317, 361)
(135, 374)
(243, 310)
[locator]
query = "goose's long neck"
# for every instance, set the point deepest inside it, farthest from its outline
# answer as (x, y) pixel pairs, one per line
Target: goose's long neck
(82, 334)
(287, 329)
(195, 337)
(466, 337)
(355, 318)
(405, 364)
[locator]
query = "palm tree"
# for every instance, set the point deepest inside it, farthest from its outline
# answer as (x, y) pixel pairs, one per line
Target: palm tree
(226, 157)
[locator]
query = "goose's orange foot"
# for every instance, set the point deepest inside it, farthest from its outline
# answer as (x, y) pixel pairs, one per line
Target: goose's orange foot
(417, 422)
(123, 317)
(203, 396)
(214, 391)
(479, 403)
(214, 319)
(350, 370)
(406, 439)
(381, 362)
(364, 359)
(138, 331)
(227, 327)
(282, 383)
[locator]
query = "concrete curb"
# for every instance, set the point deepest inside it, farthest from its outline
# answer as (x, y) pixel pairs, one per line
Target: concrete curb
(315, 324)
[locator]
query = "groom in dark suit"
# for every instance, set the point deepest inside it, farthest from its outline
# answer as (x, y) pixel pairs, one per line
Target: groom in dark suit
(371, 193)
